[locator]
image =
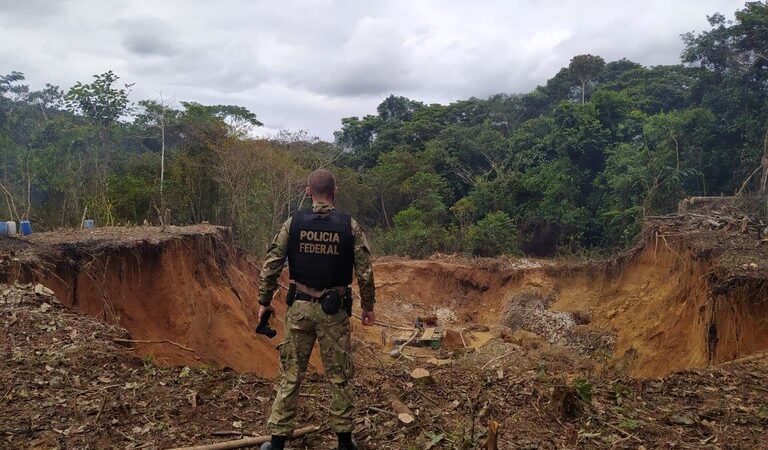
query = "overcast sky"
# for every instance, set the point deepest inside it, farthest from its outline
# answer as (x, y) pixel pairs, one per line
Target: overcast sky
(303, 65)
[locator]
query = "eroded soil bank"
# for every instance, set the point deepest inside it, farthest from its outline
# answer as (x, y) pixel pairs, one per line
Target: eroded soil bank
(188, 296)
(670, 304)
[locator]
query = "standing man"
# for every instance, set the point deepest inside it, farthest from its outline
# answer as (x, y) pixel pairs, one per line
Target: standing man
(323, 248)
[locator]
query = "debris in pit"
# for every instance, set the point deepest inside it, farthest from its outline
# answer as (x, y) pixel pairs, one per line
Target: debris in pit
(531, 323)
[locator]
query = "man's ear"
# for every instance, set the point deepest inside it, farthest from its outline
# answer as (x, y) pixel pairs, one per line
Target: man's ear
(308, 191)
(335, 190)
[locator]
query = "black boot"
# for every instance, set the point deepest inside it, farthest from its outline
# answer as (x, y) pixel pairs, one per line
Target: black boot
(277, 443)
(346, 442)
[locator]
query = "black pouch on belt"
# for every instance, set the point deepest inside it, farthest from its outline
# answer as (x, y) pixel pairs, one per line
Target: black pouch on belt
(331, 302)
(290, 297)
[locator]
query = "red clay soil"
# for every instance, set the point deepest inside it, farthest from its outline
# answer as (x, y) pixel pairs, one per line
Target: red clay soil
(685, 299)
(186, 290)
(681, 300)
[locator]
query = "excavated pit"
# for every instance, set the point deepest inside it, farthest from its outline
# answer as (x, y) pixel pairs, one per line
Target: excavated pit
(188, 296)
(671, 304)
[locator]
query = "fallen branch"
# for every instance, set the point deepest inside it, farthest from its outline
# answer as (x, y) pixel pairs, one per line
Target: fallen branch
(746, 182)
(497, 358)
(248, 442)
(101, 410)
(383, 411)
(163, 341)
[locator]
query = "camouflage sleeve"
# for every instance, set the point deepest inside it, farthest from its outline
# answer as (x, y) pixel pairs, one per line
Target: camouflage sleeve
(364, 268)
(273, 264)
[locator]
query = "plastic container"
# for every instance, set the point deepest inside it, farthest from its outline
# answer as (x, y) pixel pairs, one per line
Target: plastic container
(25, 227)
(11, 227)
(88, 223)
(3, 229)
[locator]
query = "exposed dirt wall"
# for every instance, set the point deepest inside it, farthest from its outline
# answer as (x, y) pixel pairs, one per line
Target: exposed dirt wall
(662, 302)
(194, 290)
(668, 305)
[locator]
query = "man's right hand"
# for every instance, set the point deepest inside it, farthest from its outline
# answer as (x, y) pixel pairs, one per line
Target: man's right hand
(263, 310)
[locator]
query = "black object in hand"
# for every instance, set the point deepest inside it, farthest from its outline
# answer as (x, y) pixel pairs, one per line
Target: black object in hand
(263, 327)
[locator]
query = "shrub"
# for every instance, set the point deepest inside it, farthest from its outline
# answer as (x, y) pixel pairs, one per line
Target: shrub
(493, 235)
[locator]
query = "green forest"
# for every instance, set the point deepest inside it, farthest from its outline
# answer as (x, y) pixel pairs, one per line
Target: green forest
(570, 167)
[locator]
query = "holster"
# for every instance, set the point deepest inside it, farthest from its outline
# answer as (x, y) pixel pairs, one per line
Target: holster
(290, 297)
(331, 302)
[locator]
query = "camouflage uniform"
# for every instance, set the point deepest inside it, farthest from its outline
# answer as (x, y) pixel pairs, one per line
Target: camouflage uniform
(304, 323)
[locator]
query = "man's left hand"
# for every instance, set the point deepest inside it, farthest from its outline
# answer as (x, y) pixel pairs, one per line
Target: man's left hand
(369, 318)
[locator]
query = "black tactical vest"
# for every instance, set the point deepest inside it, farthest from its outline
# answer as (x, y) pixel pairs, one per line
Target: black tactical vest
(321, 252)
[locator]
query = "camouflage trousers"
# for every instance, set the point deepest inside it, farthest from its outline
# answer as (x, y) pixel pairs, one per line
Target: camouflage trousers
(306, 322)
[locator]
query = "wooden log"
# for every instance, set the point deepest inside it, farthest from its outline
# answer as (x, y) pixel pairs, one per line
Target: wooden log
(404, 413)
(248, 442)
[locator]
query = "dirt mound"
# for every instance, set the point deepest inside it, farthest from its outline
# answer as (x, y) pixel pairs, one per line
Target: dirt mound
(530, 311)
(185, 294)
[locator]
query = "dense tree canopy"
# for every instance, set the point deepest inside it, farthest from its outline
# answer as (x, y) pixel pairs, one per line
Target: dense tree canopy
(573, 165)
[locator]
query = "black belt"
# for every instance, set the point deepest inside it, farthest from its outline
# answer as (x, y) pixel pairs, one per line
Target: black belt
(308, 298)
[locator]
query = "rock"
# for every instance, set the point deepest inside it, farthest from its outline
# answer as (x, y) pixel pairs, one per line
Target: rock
(681, 420)
(452, 340)
(42, 290)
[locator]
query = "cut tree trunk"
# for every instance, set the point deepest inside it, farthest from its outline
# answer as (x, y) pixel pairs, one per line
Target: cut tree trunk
(493, 435)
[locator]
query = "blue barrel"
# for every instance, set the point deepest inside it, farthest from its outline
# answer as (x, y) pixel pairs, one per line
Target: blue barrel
(88, 223)
(26, 227)
(3, 229)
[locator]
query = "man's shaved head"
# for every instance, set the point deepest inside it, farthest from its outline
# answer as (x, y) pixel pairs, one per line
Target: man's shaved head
(322, 184)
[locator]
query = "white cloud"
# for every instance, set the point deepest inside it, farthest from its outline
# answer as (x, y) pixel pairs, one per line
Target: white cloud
(304, 64)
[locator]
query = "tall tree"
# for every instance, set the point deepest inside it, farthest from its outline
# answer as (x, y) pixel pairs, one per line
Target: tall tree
(103, 103)
(159, 114)
(585, 68)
